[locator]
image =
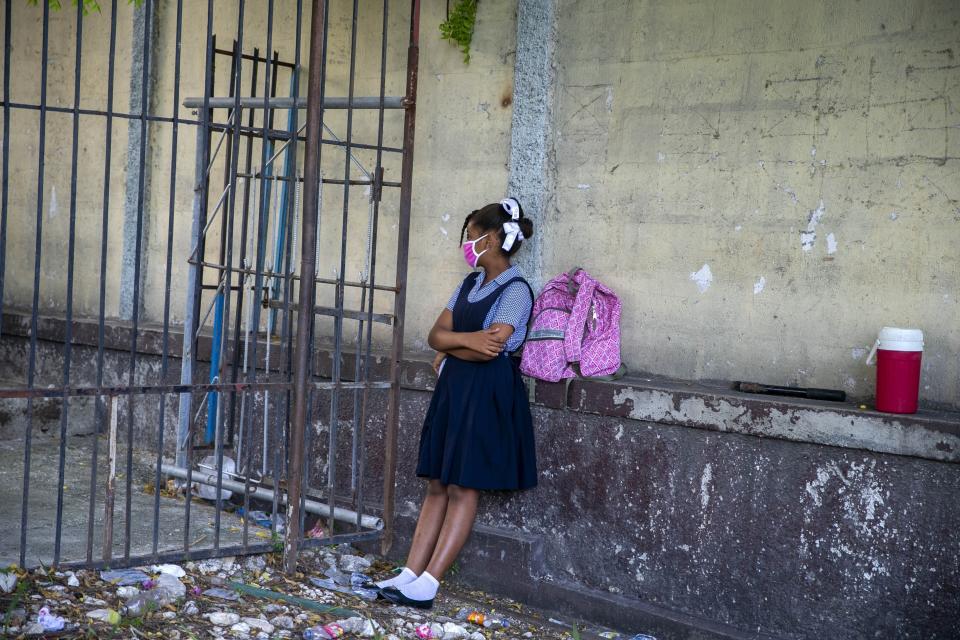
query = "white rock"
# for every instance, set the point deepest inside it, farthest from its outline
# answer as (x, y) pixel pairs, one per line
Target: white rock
(436, 630)
(169, 615)
(241, 629)
(7, 582)
(35, 629)
(72, 580)
(170, 569)
(255, 563)
(275, 608)
(283, 633)
(350, 564)
(476, 635)
(222, 618)
(263, 635)
(362, 626)
(258, 624)
(127, 592)
(282, 622)
(190, 609)
(94, 602)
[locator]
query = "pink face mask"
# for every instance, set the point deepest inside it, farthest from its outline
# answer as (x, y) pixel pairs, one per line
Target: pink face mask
(470, 253)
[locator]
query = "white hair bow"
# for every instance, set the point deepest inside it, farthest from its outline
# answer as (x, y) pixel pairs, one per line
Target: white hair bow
(512, 207)
(512, 229)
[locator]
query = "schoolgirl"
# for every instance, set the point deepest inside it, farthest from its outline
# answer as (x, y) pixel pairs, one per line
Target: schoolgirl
(478, 434)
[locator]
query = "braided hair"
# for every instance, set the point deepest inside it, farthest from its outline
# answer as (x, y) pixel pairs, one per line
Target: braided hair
(491, 218)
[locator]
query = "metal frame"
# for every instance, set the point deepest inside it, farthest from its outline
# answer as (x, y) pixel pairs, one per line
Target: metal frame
(267, 282)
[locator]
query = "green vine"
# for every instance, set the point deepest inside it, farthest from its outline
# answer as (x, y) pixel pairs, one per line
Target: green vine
(89, 6)
(458, 27)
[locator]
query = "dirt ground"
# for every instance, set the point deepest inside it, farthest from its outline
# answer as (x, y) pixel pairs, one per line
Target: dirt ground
(251, 598)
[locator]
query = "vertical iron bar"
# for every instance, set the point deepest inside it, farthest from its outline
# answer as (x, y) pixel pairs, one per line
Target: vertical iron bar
(341, 275)
(104, 236)
(293, 206)
(245, 214)
(263, 219)
(32, 363)
(141, 158)
(308, 269)
(110, 492)
(172, 195)
(71, 249)
(403, 250)
(377, 193)
(7, 49)
(203, 184)
(228, 263)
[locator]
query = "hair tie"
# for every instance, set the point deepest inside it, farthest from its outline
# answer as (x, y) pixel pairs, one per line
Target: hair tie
(512, 229)
(511, 206)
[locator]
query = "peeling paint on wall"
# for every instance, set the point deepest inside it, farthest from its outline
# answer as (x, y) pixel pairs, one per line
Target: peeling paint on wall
(809, 237)
(703, 278)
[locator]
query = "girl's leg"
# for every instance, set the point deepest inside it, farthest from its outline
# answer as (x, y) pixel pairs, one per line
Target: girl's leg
(432, 513)
(431, 520)
(461, 512)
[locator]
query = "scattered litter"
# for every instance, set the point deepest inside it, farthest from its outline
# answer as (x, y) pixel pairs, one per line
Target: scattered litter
(125, 593)
(223, 618)
(48, 621)
(353, 564)
(106, 615)
(222, 594)
(72, 579)
(424, 632)
(171, 569)
(190, 609)
(339, 582)
(481, 619)
(317, 532)
(7, 581)
(124, 577)
(325, 632)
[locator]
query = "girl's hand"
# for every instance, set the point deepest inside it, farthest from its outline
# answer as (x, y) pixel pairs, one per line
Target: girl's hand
(489, 342)
(437, 361)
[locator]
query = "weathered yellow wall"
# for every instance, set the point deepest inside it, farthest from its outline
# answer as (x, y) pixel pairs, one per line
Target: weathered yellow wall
(717, 133)
(685, 134)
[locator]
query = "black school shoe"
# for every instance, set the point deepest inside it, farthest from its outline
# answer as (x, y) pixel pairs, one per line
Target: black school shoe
(396, 597)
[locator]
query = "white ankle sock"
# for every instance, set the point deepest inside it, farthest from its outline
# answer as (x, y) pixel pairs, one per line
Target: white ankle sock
(406, 577)
(423, 588)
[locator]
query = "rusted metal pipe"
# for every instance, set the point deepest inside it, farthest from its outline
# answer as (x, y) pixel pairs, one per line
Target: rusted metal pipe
(308, 268)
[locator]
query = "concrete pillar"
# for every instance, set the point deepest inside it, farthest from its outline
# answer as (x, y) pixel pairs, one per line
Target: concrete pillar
(531, 145)
(136, 150)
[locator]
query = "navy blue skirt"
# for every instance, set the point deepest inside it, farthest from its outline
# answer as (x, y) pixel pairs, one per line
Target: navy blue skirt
(478, 432)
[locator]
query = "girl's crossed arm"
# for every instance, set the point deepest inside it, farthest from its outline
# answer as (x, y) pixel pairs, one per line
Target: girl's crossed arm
(476, 346)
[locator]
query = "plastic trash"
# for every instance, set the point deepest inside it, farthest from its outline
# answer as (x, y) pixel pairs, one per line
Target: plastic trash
(167, 591)
(124, 577)
(106, 615)
(209, 464)
(424, 632)
(223, 594)
(352, 585)
(641, 636)
(325, 632)
(481, 619)
(48, 621)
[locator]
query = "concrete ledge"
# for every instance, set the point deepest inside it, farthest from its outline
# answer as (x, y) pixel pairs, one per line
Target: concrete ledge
(928, 434)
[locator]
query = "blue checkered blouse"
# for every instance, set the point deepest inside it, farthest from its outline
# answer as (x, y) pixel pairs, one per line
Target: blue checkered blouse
(512, 308)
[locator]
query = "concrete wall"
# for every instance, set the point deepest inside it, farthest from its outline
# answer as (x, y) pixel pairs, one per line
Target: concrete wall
(765, 184)
(681, 511)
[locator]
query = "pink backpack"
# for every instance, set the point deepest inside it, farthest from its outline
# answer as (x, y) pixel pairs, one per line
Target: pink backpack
(574, 331)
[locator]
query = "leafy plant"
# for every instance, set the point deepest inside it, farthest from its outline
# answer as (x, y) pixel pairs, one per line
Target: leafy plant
(277, 542)
(458, 27)
(89, 6)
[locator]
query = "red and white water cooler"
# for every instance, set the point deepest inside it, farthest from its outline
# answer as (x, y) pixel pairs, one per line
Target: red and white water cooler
(898, 354)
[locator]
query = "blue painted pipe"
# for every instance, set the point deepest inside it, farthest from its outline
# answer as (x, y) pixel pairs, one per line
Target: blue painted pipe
(212, 396)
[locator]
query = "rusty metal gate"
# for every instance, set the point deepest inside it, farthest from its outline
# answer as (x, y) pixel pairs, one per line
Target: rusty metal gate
(233, 379)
